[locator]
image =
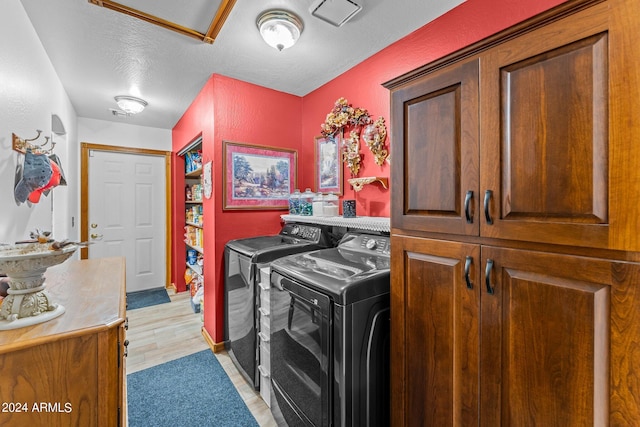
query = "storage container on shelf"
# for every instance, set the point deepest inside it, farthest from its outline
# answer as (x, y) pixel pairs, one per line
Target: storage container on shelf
(306, 203)
(193, 161)
(330, 207)
(318, 205)
(294, 202)
(192, 256)
(196, 192)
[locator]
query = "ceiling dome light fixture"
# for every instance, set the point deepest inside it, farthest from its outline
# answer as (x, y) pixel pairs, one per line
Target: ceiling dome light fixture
(279, 29)
(130, 104)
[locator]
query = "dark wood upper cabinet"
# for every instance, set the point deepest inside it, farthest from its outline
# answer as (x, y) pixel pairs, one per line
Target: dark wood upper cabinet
(545, 135)
(524, 140)
(437, 153)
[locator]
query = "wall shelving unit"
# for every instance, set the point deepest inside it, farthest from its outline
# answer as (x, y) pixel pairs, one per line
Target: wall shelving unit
(194, 222)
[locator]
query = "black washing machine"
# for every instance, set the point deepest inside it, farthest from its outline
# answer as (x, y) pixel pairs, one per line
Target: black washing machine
(330, 334)
(243, 260)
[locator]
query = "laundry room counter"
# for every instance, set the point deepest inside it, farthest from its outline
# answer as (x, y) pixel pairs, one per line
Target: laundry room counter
(370, 223)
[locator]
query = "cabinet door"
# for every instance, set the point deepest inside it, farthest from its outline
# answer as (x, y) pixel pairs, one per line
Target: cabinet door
(545, 157)
(110, 375)
(434, 336)
(560, 339)
(435, 153)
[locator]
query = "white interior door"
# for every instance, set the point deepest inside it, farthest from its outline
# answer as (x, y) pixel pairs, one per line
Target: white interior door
(127, 214)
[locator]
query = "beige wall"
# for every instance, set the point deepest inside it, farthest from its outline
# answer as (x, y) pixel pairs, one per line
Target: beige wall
(123, 134)
(30, 92)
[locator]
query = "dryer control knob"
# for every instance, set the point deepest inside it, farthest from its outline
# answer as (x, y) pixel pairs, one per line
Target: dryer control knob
(371, 244)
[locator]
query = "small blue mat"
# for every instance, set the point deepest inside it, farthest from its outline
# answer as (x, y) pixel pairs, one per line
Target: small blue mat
(191, 391)
(146, 298)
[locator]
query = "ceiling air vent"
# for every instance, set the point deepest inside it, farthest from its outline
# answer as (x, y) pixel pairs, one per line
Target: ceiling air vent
(335, 12)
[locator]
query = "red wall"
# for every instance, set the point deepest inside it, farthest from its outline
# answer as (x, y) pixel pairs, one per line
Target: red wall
(468, 23)
(230, 110)
(241, 112)
(196, 121)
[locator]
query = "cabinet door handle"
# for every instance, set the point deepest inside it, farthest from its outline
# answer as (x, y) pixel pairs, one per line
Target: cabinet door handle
(467, 207)
(487, 276)
(467, 267)
(487, 198)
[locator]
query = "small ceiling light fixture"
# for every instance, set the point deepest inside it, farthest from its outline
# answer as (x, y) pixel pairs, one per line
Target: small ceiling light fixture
(130, 104)
(279, 29)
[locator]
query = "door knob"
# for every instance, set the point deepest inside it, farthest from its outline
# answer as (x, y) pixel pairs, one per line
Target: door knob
(96, 236)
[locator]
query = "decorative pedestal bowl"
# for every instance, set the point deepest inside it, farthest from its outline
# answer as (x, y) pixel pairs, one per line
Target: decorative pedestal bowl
(27, 302)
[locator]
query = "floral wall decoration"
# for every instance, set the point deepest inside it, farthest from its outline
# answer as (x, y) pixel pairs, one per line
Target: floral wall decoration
(343, 117)
(351, 152)
(374, 135)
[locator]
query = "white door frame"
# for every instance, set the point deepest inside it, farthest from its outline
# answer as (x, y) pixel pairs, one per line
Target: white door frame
(84, 194)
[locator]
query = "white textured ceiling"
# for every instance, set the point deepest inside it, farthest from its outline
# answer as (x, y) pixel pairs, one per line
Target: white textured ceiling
(99, 53)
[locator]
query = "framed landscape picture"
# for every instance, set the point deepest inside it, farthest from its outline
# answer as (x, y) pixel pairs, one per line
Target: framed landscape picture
(257, 177)
(328, 164)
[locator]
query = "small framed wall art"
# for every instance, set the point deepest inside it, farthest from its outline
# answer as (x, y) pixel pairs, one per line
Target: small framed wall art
(328, 164)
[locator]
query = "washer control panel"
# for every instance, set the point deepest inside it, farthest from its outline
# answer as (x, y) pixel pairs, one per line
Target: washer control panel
(301, 231)
(370, 243)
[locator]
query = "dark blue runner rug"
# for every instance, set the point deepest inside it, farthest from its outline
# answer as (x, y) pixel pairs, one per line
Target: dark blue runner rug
(190, 391)
(146, 298)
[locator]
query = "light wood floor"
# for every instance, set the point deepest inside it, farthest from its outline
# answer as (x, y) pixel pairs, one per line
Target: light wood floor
(166, 332)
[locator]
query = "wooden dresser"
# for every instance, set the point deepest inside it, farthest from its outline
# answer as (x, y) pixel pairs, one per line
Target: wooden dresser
(70, 370)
